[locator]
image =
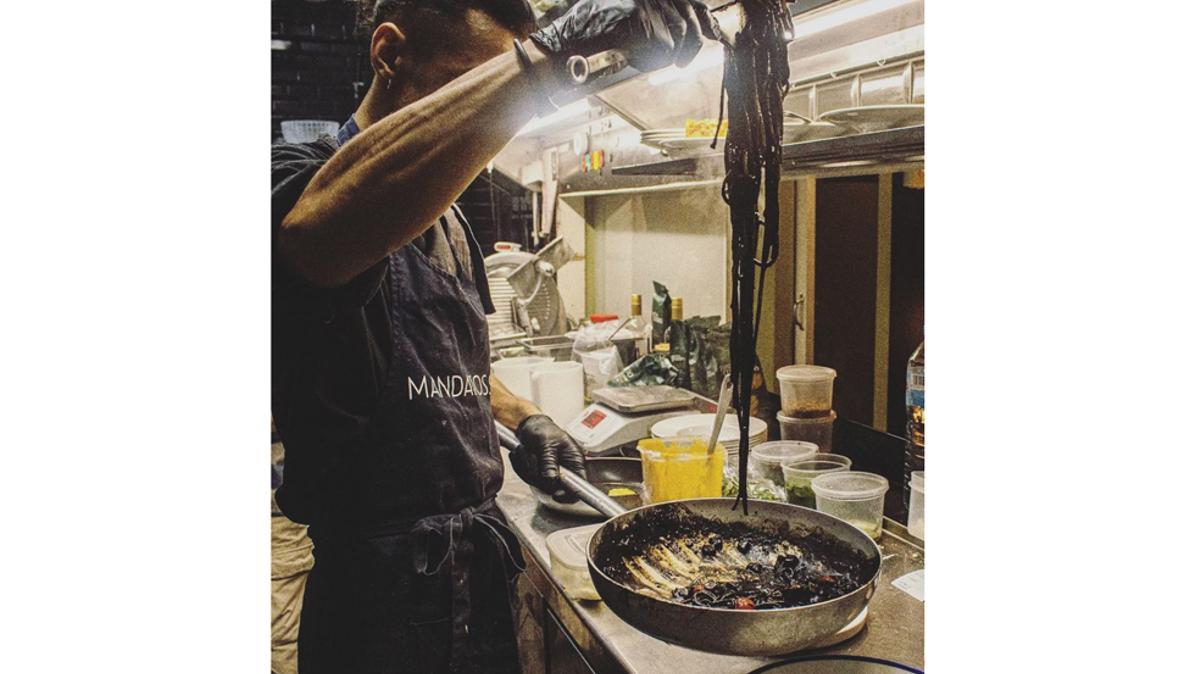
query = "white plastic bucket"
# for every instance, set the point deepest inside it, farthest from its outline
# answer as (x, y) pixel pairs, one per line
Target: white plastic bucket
(558, 390)
(514, 373)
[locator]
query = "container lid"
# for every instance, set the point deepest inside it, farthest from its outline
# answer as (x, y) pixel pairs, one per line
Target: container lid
(784, 450)
(829, 456)
(918, 480)
(850, 485)
(569, 546)
(818, 458)
(827, 419)
(811, 468)
(807, 373)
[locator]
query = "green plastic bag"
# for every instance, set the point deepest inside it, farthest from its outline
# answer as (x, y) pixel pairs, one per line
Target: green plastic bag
(660, 312)
(649, 370)
(700, 353)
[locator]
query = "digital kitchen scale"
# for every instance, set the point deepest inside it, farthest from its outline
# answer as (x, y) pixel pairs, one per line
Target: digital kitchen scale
(622, 416)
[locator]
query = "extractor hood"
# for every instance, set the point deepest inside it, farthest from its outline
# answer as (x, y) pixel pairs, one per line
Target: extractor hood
(845, 53)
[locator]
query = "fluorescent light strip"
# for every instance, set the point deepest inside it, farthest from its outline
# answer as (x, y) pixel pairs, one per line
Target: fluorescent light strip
(705, 60)
(807, 25)
(567, 112)
(811, 25)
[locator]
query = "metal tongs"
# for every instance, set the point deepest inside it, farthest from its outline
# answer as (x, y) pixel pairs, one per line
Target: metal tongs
(585, 69)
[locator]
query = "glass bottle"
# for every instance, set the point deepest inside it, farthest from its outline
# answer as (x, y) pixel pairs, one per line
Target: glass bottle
(676, 317)
(914, 396)
(638, 326)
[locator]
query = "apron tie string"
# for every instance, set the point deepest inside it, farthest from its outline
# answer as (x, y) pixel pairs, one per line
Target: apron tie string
(449, 538)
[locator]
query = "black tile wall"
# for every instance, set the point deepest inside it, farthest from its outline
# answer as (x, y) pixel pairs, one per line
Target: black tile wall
(513, 210)
(323, 73)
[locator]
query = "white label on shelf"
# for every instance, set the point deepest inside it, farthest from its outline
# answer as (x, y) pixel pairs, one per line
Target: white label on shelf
(913, 584)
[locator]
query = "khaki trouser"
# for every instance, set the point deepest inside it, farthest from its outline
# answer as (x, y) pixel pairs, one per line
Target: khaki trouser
(291, 559)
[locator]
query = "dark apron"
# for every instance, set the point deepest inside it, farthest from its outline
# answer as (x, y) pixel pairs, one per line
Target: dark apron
(425, 588)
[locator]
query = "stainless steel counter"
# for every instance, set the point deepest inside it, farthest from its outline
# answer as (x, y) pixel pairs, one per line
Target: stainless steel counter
(895, 627)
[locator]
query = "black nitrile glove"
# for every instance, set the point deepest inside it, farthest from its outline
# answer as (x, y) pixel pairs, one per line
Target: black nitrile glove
(545, 448)
(653, 33)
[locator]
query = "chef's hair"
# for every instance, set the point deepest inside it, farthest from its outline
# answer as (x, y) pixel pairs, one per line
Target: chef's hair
(429, 17)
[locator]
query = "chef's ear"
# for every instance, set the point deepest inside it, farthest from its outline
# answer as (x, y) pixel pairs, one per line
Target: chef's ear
(389, 50)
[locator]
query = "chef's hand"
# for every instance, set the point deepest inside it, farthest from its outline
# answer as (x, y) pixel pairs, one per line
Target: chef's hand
(545, 449)
(653, 33)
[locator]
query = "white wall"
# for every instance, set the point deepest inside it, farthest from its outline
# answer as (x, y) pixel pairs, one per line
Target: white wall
(678, 238)
(571, 276)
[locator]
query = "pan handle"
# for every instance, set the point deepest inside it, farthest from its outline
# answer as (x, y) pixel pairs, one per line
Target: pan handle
(578, 486)
(508, 439)
(589, 494)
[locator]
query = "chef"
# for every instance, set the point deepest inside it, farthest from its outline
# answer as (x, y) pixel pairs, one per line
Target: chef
(380, 358)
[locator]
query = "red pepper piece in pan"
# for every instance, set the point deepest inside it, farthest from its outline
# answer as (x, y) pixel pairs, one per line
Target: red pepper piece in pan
(743, 604)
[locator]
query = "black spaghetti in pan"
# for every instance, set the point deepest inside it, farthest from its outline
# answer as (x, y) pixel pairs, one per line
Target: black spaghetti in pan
(771, 581)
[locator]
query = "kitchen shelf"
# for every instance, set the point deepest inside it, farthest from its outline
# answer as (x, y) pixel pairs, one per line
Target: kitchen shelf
(892, 145)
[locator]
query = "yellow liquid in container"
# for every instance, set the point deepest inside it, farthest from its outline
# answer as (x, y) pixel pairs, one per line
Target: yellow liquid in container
(680, 468)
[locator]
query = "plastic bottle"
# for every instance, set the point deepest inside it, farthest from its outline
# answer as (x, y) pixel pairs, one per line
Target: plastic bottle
(914, 396)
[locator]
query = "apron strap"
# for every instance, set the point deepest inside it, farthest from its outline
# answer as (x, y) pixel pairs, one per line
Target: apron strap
(445, 538)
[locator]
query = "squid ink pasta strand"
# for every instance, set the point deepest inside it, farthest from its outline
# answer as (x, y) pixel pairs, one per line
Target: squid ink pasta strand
(753, 86)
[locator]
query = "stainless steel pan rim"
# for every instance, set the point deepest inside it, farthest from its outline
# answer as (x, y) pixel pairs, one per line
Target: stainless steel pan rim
(762, 632)
(592, 546)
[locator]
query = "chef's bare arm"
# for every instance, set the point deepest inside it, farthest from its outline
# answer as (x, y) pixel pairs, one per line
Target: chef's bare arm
(387, 185)
(507, 408)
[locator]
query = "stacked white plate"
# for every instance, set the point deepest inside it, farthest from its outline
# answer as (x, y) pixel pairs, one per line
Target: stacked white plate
(794, 130)
(869, 118)
(656, 137)
(700, 425)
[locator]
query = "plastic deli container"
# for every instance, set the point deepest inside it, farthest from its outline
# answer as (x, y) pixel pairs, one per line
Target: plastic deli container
(806, 390)
(916, 504)
(765, 459)
(853, 496)
(817, 430)
(798, 476)
(680, 468)
(307, 130)
(568, 561)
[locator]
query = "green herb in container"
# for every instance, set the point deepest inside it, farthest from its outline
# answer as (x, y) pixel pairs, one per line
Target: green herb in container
(798, 476)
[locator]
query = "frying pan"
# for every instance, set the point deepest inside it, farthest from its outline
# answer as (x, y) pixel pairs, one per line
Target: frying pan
(762, 632)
